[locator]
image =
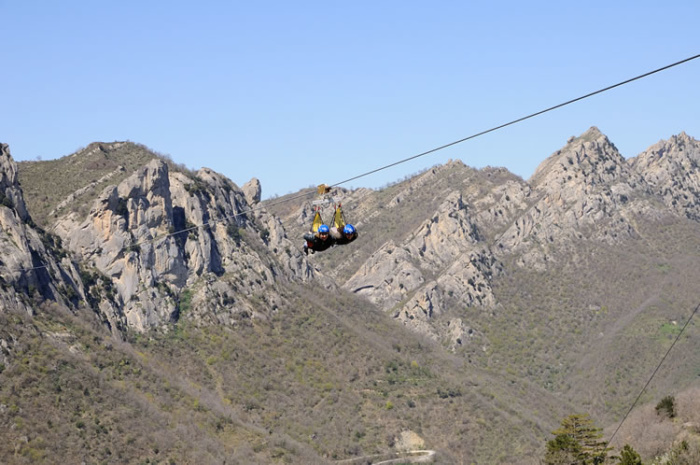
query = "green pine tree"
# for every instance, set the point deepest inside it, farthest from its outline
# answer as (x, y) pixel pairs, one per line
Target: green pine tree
(629, 456)
(576, 442)
(562, 450)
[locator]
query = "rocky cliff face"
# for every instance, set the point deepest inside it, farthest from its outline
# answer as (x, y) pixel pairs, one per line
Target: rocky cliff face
(166, 243)
(170, 242)
(584, 192)
(33, 267)
(439, 261)
(671, 170)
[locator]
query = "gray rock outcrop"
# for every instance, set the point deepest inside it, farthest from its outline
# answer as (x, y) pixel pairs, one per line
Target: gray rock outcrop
(671, 169)
(164, 243)
(32, 268)
(441, 261)
(171, 243)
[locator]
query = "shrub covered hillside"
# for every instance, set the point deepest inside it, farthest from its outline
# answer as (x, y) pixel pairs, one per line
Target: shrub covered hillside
(154, 314)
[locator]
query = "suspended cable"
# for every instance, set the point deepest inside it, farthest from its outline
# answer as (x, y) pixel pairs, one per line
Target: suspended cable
(422, 154)
(634, 404)
(510, 123)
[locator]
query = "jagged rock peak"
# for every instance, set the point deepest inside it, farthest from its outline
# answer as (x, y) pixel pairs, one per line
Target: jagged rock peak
(103, 147)
(456, 163)
(583, 163)
(672, 169)
(8, 169)
(10, 191)
(162, 234)
(30, 263)
(252, 191)
(586, 189)
(677, 149)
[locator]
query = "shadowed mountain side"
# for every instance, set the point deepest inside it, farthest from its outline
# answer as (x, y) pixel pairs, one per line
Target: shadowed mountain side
(33, 266)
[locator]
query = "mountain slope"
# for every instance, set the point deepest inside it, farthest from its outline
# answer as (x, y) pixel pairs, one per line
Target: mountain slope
(476, 309)
(52, 186)
(578, 271)
(225, 321)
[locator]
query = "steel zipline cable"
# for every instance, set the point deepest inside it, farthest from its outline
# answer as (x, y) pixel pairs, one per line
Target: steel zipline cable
(422, 154)
(515, 121)
(442, 147)
(663, 359)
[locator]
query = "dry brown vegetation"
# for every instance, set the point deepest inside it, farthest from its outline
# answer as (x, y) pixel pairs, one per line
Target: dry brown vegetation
(330, 377)
(324, 380)
(654, 434)
(46, 184)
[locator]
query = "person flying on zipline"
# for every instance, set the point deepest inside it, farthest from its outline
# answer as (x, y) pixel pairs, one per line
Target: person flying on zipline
(318, 241)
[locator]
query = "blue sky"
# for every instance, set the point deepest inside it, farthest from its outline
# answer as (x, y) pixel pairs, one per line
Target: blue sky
(302, 93)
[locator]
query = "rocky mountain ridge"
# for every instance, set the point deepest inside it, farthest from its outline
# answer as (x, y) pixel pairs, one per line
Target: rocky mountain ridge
(585, 192)
(160, 233)
(670, 168)
(474, 261)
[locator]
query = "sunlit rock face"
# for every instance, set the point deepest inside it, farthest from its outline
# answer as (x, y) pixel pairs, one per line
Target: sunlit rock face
(670, 168)
(170, 241)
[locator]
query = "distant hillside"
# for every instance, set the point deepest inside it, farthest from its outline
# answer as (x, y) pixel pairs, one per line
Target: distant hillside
(75, 180)
(170, 316)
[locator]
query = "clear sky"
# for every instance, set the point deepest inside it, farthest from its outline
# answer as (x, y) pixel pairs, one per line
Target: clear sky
(302, 93)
